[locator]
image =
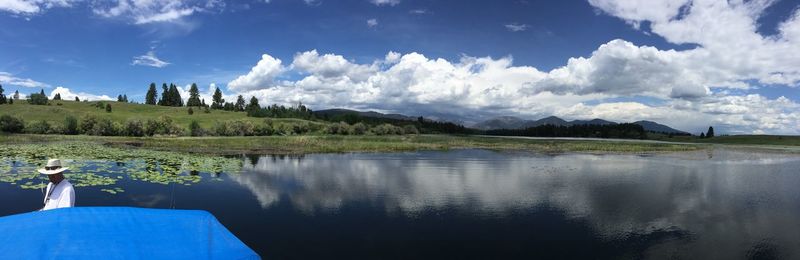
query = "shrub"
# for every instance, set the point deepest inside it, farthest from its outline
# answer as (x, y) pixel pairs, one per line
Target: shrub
(87, 124)
(206, 110)
(162, 126)
(387, 129)
(134, 127)
(300, 128)
(11, 124)
(70, 125)
(263, 129)
(195, 129)
(410, 130)
(38, 127)
(341, 128)
(190, 111)
(108, 108)
(105, 127)
(359, 128)
(234, 128)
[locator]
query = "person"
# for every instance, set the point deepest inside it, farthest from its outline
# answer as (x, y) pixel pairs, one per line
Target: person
(60, 193)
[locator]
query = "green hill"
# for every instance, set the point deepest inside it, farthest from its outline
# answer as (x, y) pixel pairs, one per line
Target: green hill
(121, 112)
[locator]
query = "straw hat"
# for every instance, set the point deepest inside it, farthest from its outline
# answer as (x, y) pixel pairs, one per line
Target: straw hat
(53, 167)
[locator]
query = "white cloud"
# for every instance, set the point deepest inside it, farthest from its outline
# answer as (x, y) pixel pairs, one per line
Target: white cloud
(31, 7)
(9, 79)
(516, 27)
(149, 59)
(372, 22)
(730, 50)
(474, 88)
(67, 94)
(385, 2)
(261, 76)
(153, 11)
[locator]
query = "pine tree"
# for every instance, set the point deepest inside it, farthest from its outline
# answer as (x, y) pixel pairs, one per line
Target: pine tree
(710, 132)
(175, 96)
(194, 96)
(42, 92)
(77, 99)
(240, 103)
(702, 135)
(16, 94)
(164, 101)
(217, 101)
(253, 106)
(152, 95)
(57, 96)
(2, 97)
(119, 98)
(125, 98)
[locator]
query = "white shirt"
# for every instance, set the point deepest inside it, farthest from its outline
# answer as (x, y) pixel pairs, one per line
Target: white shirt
(63, 196)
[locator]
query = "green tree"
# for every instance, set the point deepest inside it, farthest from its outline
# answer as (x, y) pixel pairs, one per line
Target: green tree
(194, 97)
(164, 101)
(10, 124)
(57, 96)
(38, 98)
(2, 97)
(77, 99)
(119, 98)
(152, 95)
(710, 132)
(239, 103)
(253, 107)
(217, 100)
(71, 125)
(702, 135)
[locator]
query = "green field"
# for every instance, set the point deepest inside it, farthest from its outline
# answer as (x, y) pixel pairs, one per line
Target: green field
(121, 112)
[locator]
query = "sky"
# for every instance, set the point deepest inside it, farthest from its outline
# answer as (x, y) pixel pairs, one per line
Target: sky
(690, 64)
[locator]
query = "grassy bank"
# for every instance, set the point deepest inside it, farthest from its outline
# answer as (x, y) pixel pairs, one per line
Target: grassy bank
(781, 140)
(327, 143)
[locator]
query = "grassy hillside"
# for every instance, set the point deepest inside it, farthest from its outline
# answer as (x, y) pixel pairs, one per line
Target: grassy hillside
(121, 112)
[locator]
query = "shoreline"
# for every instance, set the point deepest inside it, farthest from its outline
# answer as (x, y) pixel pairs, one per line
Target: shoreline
(302, 144)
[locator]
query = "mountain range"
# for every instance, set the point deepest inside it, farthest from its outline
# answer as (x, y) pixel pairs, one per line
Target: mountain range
(508, 122)
(511, 122)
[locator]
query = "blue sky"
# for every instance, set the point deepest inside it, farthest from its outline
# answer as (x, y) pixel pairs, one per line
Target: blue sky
(459, 60)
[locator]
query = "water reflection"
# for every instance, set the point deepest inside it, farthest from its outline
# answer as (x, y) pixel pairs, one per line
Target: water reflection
(709, 204)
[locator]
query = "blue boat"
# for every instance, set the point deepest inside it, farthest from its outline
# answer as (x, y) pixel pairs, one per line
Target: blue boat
(118, 233)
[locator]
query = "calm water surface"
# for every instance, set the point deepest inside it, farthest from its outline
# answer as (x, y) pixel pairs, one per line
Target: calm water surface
(719, 204)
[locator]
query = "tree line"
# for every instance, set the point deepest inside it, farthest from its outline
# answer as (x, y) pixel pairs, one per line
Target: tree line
(624, 131)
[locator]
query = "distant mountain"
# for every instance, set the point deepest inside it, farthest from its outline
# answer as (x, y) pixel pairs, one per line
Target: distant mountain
(596, 121)
(656, 127)
(510, 122)
(550, 120)
(341, 111)
(503, 122)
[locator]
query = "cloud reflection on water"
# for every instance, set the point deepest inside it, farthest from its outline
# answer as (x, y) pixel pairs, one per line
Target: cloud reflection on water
(742, 203)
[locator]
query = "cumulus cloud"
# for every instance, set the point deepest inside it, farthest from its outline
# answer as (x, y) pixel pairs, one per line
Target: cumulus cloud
(474, 88)
(9, 79)
(149, 59)
(261, 76)
(730, 50)
(67, 94)
(516, 27)
(385, 2)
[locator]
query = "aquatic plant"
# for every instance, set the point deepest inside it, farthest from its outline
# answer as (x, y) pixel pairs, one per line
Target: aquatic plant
(96, 165)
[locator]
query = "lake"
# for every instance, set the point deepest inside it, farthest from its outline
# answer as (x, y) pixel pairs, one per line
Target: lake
(710, 204)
